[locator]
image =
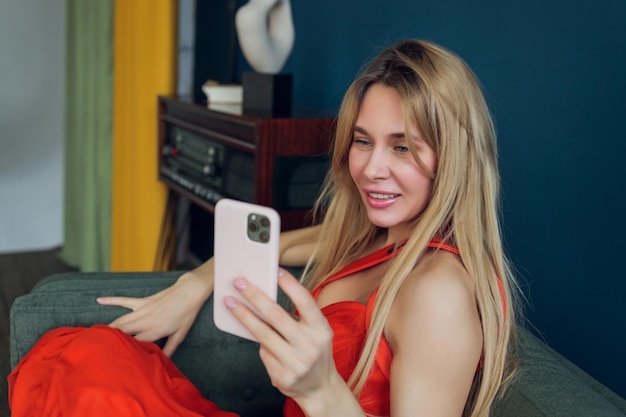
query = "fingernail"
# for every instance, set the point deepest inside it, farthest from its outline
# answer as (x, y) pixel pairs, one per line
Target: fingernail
(241, 284)
(230, 302)
(99, 300)
(281, 271)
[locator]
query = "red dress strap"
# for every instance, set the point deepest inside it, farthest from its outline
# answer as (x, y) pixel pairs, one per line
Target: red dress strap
(370, 260)
(378, 257)
(437, 243)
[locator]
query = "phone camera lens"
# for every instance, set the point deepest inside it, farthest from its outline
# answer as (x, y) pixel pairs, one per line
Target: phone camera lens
(252, 227)
(264, 237)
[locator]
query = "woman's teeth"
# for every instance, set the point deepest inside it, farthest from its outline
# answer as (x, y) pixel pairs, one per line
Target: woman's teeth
(379, 196)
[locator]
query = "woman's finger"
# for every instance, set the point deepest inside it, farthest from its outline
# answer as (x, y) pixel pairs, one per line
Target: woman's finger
(129, 324)
(271, 318)
(267, 309)
(302, 299)
(257, 325)
(173, 341)
(126, 302)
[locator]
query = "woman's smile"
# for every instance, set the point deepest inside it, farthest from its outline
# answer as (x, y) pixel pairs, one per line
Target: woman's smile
(380, 199)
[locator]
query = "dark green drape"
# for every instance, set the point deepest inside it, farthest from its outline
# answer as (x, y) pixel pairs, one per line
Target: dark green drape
(88, 134)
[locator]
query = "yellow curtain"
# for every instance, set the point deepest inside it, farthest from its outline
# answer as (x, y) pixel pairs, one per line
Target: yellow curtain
(144, 67)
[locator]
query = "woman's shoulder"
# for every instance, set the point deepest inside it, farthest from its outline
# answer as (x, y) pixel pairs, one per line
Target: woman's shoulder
(439, 273)
(439, 292)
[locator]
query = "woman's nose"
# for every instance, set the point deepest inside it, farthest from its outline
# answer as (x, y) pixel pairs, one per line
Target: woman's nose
(378, 165)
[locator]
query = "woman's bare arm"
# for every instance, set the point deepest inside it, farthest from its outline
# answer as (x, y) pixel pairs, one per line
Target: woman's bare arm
(435, 333)
(297, 246)
(170, 313)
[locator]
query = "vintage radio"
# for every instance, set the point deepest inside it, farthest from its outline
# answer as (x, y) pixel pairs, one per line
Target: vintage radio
(278, 162)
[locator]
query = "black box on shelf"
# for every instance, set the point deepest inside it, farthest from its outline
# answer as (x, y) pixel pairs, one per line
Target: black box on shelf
(267, 93)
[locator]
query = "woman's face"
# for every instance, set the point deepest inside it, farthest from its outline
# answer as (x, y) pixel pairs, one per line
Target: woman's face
(393, 187)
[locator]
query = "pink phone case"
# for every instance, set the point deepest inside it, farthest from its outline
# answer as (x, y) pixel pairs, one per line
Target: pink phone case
(246, 245)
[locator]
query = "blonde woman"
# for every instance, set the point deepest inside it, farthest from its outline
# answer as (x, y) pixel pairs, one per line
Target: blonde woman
(414, 175)
(406, 306)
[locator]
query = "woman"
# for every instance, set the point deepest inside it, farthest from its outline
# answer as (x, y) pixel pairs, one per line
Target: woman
(405, 307)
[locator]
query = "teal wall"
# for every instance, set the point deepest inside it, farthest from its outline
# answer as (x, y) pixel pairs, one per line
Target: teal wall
(553, 72)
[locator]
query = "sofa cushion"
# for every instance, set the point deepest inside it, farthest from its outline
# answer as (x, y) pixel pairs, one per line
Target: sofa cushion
(550, 385)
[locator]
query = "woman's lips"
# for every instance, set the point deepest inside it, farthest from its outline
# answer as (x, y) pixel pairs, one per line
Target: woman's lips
(380, 200)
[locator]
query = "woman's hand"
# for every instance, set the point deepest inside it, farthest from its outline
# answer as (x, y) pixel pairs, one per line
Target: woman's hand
(296, 353)
(168, 313)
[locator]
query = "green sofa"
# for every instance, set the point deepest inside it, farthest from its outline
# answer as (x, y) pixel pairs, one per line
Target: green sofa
(227, 369)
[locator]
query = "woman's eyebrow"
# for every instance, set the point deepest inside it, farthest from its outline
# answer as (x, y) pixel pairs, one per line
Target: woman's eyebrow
(363, 131)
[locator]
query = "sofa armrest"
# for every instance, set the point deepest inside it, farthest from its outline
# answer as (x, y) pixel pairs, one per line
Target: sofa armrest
(225, 368)
(68, 299)
(550, 385)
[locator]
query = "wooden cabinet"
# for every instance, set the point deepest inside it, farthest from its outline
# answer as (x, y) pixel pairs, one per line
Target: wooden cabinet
(206, 155)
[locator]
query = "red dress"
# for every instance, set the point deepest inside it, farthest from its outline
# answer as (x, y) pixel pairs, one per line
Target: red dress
(101, 372)
(350, 321)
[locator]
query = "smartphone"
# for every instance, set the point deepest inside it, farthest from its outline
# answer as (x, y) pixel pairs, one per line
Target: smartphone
(246, 245)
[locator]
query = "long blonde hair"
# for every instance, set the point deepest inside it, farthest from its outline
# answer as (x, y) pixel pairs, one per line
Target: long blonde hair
(442, 97)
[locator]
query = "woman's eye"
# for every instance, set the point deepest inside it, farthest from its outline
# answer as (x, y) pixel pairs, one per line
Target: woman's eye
(402, 149)
(361, 141)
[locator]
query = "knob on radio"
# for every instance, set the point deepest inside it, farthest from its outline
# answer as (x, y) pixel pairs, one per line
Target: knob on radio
(169, 150)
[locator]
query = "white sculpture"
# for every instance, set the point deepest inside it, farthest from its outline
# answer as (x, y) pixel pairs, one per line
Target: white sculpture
(266, 34)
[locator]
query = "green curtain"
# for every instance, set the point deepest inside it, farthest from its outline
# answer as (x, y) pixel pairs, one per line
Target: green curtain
(88, 134)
